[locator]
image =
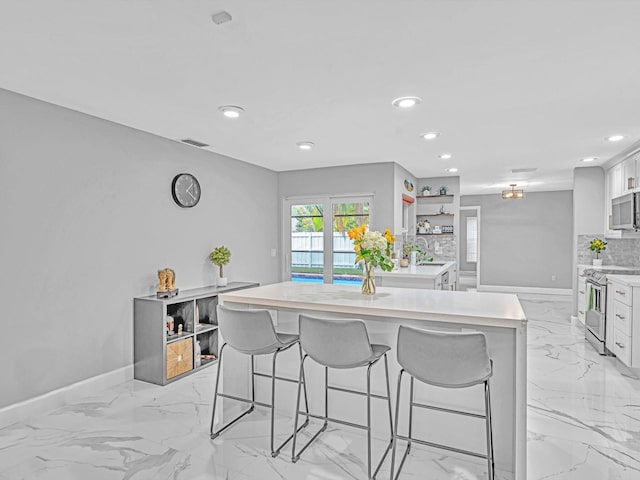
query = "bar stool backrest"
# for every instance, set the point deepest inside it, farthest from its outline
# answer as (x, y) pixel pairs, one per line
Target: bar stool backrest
(444, 359)
(335, 343)
(248, 331)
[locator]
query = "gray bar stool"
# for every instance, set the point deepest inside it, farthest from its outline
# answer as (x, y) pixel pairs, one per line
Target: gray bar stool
(447, 360)
(341, 344)
(251, 332)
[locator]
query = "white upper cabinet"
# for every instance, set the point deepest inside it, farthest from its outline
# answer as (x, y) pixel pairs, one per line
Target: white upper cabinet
(613, 188)
(628, 166)
(620, 179)
(615, 181)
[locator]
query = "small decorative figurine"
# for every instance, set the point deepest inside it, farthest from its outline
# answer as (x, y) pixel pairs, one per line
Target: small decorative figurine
(166, 283)
(180, 329)
(162, 280)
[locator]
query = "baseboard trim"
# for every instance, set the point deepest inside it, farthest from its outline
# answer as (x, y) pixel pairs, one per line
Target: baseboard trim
(20, 411)
(536, 290)
(576, 320)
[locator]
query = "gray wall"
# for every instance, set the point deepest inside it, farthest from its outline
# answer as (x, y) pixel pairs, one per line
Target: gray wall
(588, 200)
(524, 242)
(400, 175)
(376, 178)
(88, 218)
(588, 214)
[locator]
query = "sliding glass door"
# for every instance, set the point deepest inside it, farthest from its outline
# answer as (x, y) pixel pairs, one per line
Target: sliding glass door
(318, 249)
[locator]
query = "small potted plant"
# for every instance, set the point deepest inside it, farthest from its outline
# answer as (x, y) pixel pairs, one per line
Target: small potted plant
(426, 190)
(220, 256)
(443, 190)
(597, 246)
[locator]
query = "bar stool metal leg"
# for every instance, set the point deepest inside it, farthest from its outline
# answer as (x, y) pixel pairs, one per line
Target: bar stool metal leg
(389, 445)
(276, 452)
(252, 401)
(395, 431)
(410, 414)
(369, 421)
(386, 371)
(326, 399)
(215, 398)
(295, 457)
(409, 438)
(487, 405)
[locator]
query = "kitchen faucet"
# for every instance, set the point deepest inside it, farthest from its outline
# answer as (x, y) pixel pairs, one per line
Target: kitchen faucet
(424, 240)
(426, 244)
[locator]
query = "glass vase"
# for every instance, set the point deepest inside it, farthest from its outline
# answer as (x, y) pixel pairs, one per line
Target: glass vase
(368, 280)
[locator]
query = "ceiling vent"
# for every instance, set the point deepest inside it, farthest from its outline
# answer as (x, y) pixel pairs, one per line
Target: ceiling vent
(523, 170)
(195, 143)
(221, 17)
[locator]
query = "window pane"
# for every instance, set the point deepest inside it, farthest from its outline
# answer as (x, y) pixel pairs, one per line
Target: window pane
(345, 217)
(307, 243)
(472, 239)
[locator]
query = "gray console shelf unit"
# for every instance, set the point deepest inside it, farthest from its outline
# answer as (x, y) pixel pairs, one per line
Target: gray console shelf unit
(162, 358)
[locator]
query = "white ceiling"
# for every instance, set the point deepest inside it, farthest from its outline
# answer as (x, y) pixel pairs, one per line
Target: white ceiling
(510, 84)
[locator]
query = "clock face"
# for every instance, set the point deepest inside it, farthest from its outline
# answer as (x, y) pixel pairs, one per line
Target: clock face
(185, 190)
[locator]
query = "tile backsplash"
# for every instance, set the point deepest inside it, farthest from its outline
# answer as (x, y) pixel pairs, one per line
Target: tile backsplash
(620, 251)
(442, 247)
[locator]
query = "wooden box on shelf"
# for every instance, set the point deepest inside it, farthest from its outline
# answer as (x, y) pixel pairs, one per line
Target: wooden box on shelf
(179, 357)
(168, 330)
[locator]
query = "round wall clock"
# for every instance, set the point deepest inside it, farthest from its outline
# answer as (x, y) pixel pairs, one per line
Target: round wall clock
(185, 190)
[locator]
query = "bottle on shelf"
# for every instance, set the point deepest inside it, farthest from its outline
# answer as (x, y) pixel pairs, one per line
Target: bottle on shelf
(197, 361)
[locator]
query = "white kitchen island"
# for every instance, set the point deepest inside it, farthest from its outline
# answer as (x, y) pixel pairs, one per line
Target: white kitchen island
(433, 276)
(499, 316)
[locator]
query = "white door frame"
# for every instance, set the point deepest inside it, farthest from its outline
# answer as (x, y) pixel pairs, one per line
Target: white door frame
(478, 210)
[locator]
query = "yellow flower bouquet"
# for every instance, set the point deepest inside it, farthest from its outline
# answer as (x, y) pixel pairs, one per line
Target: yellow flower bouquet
(598, 246)
(374, 250)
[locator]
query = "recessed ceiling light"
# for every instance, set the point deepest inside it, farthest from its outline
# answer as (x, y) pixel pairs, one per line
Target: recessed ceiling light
(614, 138)
(430, 135)
(589, 159)
(231, 111)
(446, 156)
(305, 145)
(452, 170)
(406, 102)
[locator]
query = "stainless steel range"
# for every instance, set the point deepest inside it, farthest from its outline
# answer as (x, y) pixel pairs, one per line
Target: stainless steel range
(596, 307)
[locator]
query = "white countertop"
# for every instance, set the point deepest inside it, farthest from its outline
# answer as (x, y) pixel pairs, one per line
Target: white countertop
(428, 272)
(630, 280)
(479, 308)
(604, 267)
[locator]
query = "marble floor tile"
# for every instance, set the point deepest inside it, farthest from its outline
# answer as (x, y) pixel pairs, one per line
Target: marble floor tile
(583, 423)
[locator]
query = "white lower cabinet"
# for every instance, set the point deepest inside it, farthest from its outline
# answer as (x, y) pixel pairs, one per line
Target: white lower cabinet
(622, 347)
(623, 332)
(582, 300)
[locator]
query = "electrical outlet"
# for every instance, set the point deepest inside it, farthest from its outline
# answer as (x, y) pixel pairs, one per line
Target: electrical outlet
(274, 252)
(553, 278)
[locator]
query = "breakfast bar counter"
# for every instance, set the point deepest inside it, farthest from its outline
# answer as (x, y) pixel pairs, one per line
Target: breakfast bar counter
(499, 316)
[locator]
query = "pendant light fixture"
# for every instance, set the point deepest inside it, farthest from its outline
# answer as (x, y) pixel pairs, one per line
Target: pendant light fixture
(512, 194)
